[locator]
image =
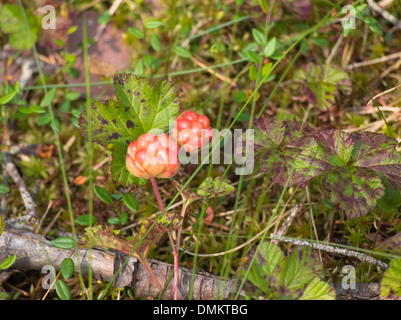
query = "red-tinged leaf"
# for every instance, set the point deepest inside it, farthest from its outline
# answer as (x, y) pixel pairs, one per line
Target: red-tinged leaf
(354, 167)
(278, 144)
(322, 84)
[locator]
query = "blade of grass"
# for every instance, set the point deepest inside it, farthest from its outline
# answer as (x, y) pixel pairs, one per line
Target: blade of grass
(90, 149)
(377, 106)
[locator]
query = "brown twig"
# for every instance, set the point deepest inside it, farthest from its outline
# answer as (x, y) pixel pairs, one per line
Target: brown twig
(29, 203)
(336, 250)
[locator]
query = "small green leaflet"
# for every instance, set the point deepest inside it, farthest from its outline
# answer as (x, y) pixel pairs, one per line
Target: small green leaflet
(64, 243)
(67, 268)
(103, 194)
(62, 290)
(9, 96)
(151, 24)
(130, 201)
(8, 262)
(182, 52)
(136, 33)
(85, 220)
(139, 109)
(4, 188)
(270, 47)
(259, 36)
(155, 42)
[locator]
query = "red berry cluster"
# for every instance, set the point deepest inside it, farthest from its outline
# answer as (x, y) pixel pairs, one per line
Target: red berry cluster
(153, 156)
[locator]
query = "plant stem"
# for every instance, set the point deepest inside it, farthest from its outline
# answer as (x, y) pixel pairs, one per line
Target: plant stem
(333, 222)
(175, 252)
(179, 232)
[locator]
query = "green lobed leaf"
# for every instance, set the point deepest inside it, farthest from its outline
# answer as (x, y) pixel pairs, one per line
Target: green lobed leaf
(318, 290)
(297, 270)
(119, 170)
(288, 277)
(390, 287)
(12, 23)
(67, 268)
(391, 200)
(139, 108)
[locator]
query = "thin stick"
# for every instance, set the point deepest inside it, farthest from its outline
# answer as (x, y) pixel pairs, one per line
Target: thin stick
(287, 223)
(336, 250)
(175, 252)
(376, 7)
(382, 93)
(374, 61)
(152, 275)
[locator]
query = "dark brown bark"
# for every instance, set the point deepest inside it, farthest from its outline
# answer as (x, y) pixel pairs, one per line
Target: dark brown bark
(34, 252)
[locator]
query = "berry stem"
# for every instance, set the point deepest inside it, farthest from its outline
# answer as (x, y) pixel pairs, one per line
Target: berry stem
(159, 199)
(175, 252)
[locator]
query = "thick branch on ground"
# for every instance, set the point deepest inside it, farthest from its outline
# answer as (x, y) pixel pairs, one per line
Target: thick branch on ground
(34, 252)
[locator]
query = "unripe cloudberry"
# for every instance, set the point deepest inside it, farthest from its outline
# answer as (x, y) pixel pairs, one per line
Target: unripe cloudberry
(153, 156)
(192, 131)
